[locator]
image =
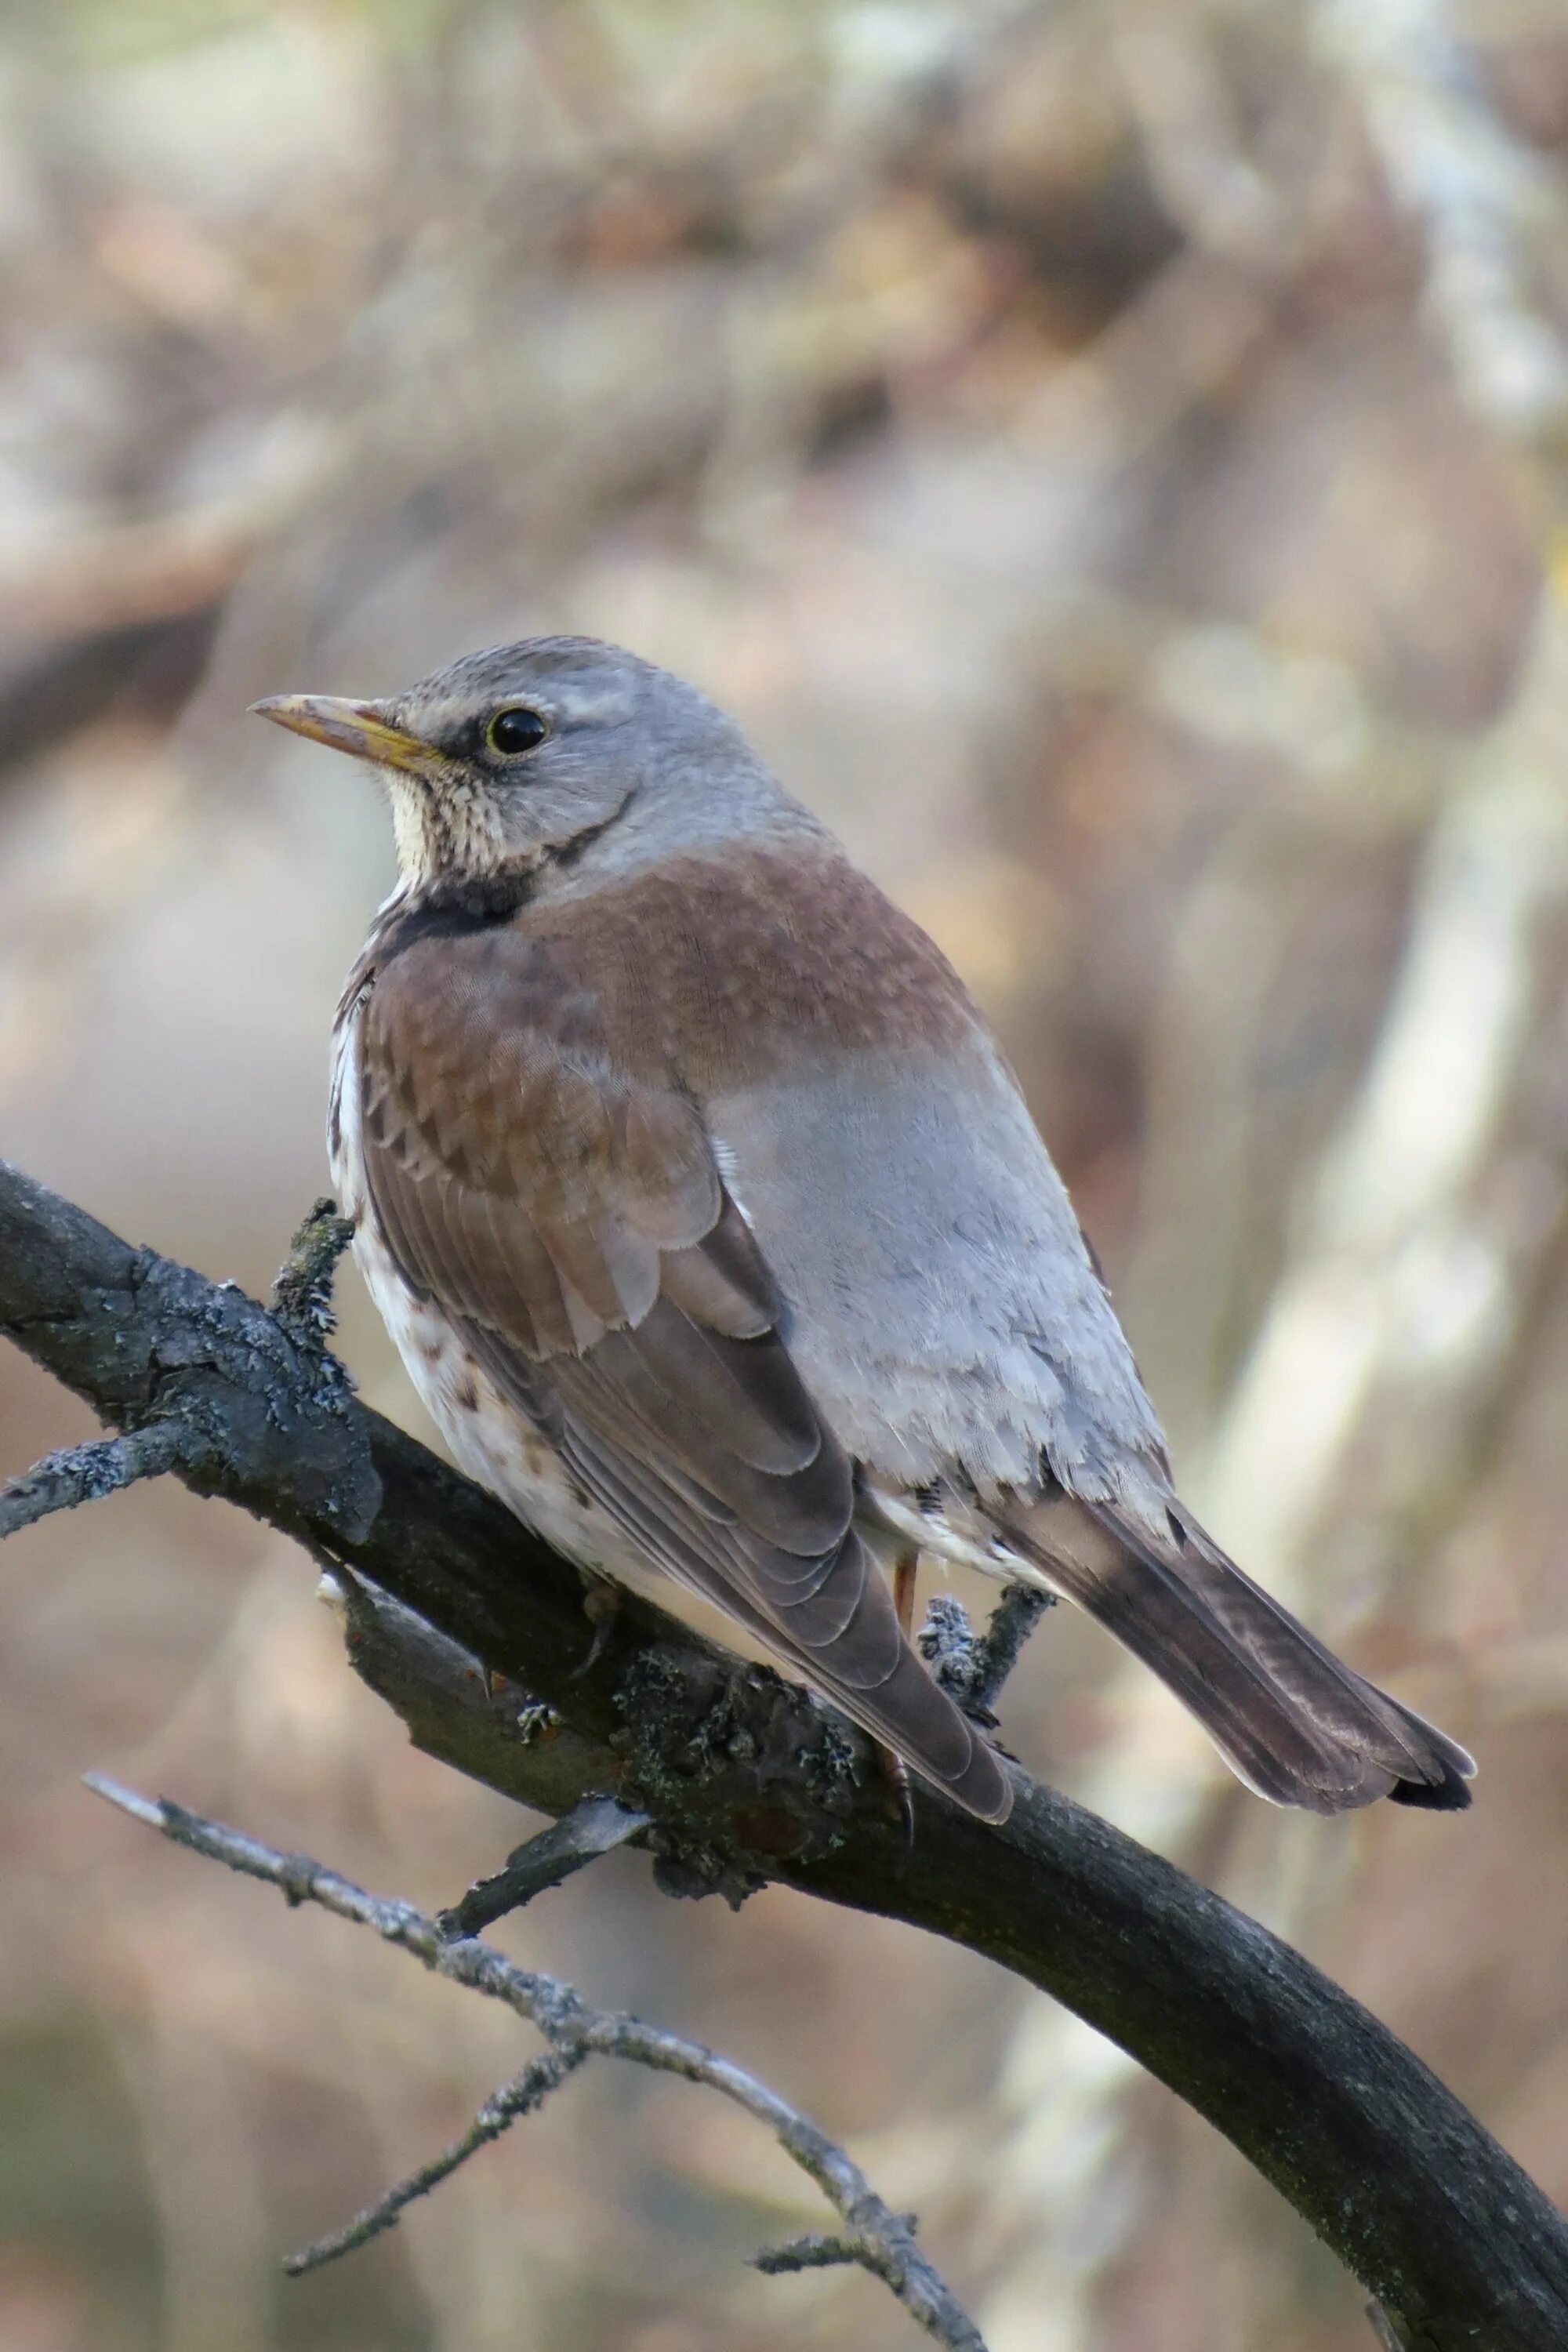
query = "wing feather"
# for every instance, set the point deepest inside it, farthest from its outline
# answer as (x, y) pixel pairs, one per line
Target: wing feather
(570, 1216)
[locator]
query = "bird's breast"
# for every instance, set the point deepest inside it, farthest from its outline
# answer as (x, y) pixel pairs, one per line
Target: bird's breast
(487, 1434)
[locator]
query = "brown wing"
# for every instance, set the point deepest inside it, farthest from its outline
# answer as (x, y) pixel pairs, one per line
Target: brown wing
(571, 1217)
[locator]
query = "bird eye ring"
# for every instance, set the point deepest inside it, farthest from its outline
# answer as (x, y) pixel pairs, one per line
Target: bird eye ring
(515, 730)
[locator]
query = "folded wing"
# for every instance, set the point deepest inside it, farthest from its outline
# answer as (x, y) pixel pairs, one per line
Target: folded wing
(570, 1217)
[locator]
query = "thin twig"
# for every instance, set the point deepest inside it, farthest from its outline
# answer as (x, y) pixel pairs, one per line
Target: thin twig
(505, 2107)
(821, 2251)
(877, 2238)
(85, 1474)
(818, 2251)
(595, 1826)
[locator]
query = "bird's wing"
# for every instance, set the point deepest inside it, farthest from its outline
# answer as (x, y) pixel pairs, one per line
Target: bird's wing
(571, 1216)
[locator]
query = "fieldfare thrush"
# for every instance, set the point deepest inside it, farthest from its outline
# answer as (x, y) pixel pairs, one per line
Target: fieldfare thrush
(718, 1239)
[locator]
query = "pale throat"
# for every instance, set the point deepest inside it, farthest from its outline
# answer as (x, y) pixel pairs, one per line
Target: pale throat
(458, 831)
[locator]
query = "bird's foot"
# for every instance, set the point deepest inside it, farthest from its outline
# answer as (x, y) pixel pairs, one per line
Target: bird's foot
(895, 1778)
(601, 1606)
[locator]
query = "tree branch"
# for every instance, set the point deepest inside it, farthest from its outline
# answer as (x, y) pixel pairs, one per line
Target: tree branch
(975, 1667)
(743, 1779)
(595, 1826)
(522, 2096)
(881, 2241)
(85, 1474)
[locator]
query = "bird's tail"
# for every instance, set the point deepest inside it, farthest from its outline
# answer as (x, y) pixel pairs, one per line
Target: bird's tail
(1291, 1721)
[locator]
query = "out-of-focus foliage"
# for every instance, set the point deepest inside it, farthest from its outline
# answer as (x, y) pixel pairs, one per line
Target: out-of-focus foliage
(1110, 454)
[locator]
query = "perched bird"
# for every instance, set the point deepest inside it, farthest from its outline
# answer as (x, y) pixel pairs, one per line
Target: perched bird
(715, 1233)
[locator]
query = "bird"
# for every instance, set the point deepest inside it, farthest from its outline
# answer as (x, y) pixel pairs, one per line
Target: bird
(715, 1232)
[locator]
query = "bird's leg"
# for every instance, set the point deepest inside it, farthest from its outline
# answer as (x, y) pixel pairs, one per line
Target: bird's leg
(895, 1771)
(904, 1569)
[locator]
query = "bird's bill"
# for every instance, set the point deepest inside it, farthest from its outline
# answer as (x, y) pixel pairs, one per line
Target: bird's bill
(356, 728)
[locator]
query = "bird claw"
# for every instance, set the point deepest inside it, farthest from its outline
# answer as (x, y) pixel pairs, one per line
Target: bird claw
(895, 1774)
(601, 1606)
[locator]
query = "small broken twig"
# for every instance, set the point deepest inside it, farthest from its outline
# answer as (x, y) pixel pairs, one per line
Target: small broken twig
(84, 1473)
(971, 1667)
(1001, 1645)
(875, 2236)
(301, 1295)
(595, 1826)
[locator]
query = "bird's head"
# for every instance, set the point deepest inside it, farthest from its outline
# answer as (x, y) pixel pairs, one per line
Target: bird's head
(530, 755)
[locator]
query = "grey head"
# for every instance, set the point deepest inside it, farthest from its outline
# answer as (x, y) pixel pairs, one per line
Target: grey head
(536, 755)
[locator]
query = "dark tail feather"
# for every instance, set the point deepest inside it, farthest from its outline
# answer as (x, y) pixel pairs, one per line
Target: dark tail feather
(1450, 1794)
(1294, 1724)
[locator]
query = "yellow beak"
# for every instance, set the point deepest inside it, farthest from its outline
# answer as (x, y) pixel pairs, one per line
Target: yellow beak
(356, 728)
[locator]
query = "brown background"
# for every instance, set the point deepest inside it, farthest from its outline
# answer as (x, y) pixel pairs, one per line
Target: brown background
(1111, 457)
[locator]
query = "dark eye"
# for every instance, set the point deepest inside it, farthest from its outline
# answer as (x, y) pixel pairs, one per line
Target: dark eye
(511, 731)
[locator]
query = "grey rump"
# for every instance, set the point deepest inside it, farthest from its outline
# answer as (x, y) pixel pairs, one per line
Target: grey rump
(717, 1235)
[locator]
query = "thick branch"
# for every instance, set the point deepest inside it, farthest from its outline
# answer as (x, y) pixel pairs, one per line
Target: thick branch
(743, 1779)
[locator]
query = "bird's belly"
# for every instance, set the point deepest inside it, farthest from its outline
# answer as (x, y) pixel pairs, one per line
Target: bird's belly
(488, 1435)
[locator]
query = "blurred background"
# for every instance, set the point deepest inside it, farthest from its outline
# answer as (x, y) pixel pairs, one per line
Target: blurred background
(1111, 454)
